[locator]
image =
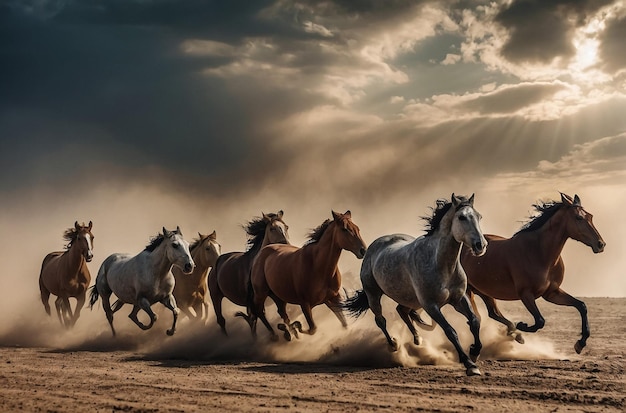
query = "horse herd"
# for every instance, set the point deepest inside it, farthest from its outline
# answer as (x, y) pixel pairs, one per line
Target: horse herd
(450, 264)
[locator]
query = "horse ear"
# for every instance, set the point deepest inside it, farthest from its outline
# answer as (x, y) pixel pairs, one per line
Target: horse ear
(266, 217)
(179, 231)
(455, 200)
(166, 233)
(76, 226)
(566, 199)
(280, 214)
(576, 200)
(213, 235)
(348, 214)
(90, 225)
(471, 200)
(336, 216)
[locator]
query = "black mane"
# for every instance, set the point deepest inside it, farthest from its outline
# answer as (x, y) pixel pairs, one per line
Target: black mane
(442, 206)
(155, 242)
(546, 210)
(70, 236)
(255, 230)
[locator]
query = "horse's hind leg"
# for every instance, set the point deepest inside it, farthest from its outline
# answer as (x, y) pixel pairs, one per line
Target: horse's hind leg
(106, 305)
(435, 313)
(560, 297)
(404, 314)
(494, 313)
(464, 307)
(216, 299)
(170, 302)
(288, 327)
(66, 310)
(143, 304)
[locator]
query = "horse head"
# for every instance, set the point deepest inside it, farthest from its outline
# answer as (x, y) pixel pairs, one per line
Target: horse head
(276, 231)
(579, 224)
(466, 225)
(210, 247)
(84, 239)
(177, 250)
(348, 235)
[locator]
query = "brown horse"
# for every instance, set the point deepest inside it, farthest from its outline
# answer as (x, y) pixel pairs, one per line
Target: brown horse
(306, 276)
(230, 277)
(65, 274)
(529, 265)
(190, 289)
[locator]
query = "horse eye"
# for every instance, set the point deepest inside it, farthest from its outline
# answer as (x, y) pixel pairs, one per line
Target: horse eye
(175, 245)
(578, 217)
(462, 218)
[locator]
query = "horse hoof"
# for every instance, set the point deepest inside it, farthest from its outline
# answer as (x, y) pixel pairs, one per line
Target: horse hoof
(282, 327)
(296, 325)
(579, 347)
(287, 335)
(417, 341)
(519, 338)
(393, 346)
(170, 332)
(473, 371)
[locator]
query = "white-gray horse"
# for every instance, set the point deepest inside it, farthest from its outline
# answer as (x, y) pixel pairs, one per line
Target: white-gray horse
(425, 272)
(143, 279)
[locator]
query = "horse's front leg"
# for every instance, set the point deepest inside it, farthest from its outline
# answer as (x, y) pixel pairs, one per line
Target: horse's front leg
(143, 304)
(464, 307)
(435, 313)
(335, 306)
(560, 297)
(80, 303)
(494, 313)
(307, 311)
(58, 305)
(170, 302)
(529, 302)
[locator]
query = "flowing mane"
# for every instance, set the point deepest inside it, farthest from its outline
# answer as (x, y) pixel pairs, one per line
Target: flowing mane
(316, 234)
(442, 206)
(255, 230)
(70, 236)
(546, 210)
(196, 242)
(155, 242)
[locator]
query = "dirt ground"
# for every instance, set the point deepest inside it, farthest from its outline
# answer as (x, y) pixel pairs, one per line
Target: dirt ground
(45, 369)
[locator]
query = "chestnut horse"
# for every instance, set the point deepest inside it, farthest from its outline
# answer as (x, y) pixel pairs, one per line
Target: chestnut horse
(529, 265)
(65, 273)
(230, 277)
(425, 272)
(190, 289)
(306, 276)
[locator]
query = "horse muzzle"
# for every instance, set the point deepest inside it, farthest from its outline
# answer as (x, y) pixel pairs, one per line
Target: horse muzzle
(89, 256)
(479, 248)
(598, 247)
(188, 267)
(360, 253)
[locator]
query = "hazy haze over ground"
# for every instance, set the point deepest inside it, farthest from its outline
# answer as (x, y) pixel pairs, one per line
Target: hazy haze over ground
(143, 114)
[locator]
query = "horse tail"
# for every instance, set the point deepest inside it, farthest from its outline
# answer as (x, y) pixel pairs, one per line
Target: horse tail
(93, 296)
(356, 305)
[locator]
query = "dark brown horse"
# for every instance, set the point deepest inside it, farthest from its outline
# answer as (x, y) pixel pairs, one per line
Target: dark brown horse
(529, 265)
(230, 277)
(306, 276)
(65, 274)
(190, 289)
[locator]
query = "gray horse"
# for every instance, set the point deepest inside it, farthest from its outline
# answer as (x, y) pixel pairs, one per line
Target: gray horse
(424, 273)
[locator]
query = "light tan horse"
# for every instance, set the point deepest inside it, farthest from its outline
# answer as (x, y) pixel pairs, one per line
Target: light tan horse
(190, 289)
(307, 276)
(65, 274)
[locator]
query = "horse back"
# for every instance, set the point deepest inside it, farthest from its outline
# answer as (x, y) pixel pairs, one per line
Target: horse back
(231, 275)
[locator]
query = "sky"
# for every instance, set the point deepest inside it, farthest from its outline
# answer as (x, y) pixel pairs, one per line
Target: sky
(139, 114)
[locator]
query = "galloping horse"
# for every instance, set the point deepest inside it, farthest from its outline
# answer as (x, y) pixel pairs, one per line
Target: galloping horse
(529, 265)
(190, 289)
(230, 277)
(143, 279)
(65, 273)
(424, 273)
(306, 276)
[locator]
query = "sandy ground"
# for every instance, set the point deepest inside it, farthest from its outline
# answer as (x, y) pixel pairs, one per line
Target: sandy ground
(43, 368)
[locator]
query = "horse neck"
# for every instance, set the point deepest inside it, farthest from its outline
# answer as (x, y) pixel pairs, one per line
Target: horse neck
(160, 264)
(74, 260)
(448, 248)
(548, 240)
(326, 252)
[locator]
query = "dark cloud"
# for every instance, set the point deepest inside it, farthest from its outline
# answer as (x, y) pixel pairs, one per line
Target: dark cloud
(541, 30)
(612, 45)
